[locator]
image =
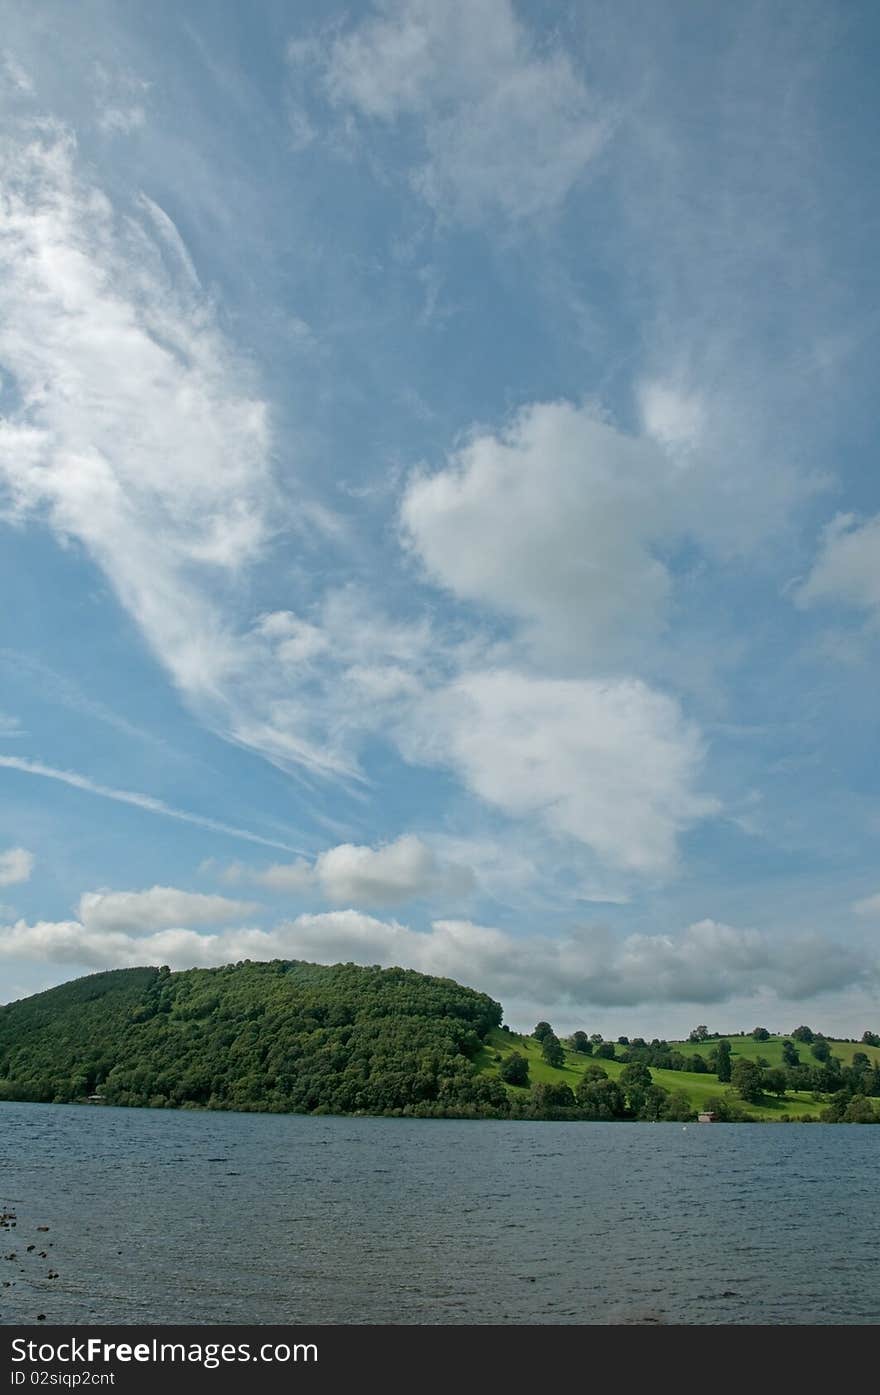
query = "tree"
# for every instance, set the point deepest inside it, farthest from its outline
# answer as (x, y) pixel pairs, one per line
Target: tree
(623, 1041)
(635, 1074)
(551, 1050)
(581, 1042)
(860, 1111)
(543, 1030)
(515, 1070)
(594, 1073)
(601, 1099)
(747, 1081)
(635, 1081)
(821, 1050)
(775, 1081)
(871, 1038)
(790, 1055)
(700, 1033)
(760, 1034)
(722, 1061)
(550, 1096)
(804, 1034)
(605, 1050)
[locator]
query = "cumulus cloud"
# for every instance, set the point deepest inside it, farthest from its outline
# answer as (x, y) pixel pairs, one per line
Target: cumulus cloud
(385, 876)
(553, 520)
(847, 568)
(502, 126)
(612, 764)
(707, 963)
(16, 865)
(159, 908)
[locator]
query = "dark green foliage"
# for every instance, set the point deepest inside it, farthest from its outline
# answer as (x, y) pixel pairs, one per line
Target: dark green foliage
(551, 1101)
(790, 1055)
(515, 1070)
(604, 1050)
(747, 1080)
(859, 1111)
(635, 1074)
(722, 1062)
(581, 1042)
(821, 1050)
(594, 1072)
(551, 1050)
(543, 1030)
(601, 1099)
(760, 1034)
(775, 1081)
(804, 1034)
(283, 1036)
(871, 1038)
(700, 1033)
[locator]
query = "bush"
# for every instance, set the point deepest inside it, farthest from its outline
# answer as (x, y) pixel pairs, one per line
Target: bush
(515, 1070)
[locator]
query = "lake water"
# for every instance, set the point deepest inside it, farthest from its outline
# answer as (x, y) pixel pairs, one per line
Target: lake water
(182, 1217)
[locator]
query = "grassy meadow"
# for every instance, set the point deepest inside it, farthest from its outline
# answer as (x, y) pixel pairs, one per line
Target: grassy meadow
(698, 1088)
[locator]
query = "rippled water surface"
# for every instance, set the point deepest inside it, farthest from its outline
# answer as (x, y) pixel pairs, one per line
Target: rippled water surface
(182, 1217)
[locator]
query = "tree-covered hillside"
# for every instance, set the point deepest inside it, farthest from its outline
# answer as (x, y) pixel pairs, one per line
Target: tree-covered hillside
(281, 1036)
(294, 1037)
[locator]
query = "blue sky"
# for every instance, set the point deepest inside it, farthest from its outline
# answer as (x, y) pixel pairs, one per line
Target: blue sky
(438, 500)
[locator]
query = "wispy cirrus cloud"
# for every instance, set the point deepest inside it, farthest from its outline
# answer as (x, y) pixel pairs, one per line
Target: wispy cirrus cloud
(9, 726)
(139, 801)
(137, 432)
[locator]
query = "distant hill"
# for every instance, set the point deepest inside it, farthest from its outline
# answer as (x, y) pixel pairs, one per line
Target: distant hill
(287, 1036)
(284, 1036)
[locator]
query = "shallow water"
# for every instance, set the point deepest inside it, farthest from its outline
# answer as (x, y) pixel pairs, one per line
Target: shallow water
(161, 1216)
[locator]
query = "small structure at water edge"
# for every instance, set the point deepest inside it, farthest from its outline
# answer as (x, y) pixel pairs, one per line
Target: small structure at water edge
(707, 1118)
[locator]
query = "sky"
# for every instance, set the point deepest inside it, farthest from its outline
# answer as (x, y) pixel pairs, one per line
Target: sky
(439, 506)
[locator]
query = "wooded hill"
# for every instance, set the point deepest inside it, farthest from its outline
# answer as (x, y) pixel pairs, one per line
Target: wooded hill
(287, 1036)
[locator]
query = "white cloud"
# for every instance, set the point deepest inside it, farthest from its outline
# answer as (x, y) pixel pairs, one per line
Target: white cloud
(611, 764)
(16, 865)
(673, 418)
(706, 963)
(139, 801)
(295, 640)
(869, 905)
(13, 75)
(9, 726)
(505, 127)
(121, 120)
(385, 876)
(847, 568)
(552, 520)
(135, 433)
(159, 908)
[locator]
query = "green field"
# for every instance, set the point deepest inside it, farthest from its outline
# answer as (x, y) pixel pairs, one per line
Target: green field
(698, 1088)
(771, 1050)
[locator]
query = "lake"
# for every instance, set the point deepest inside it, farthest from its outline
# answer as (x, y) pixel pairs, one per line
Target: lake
(160, 1216)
